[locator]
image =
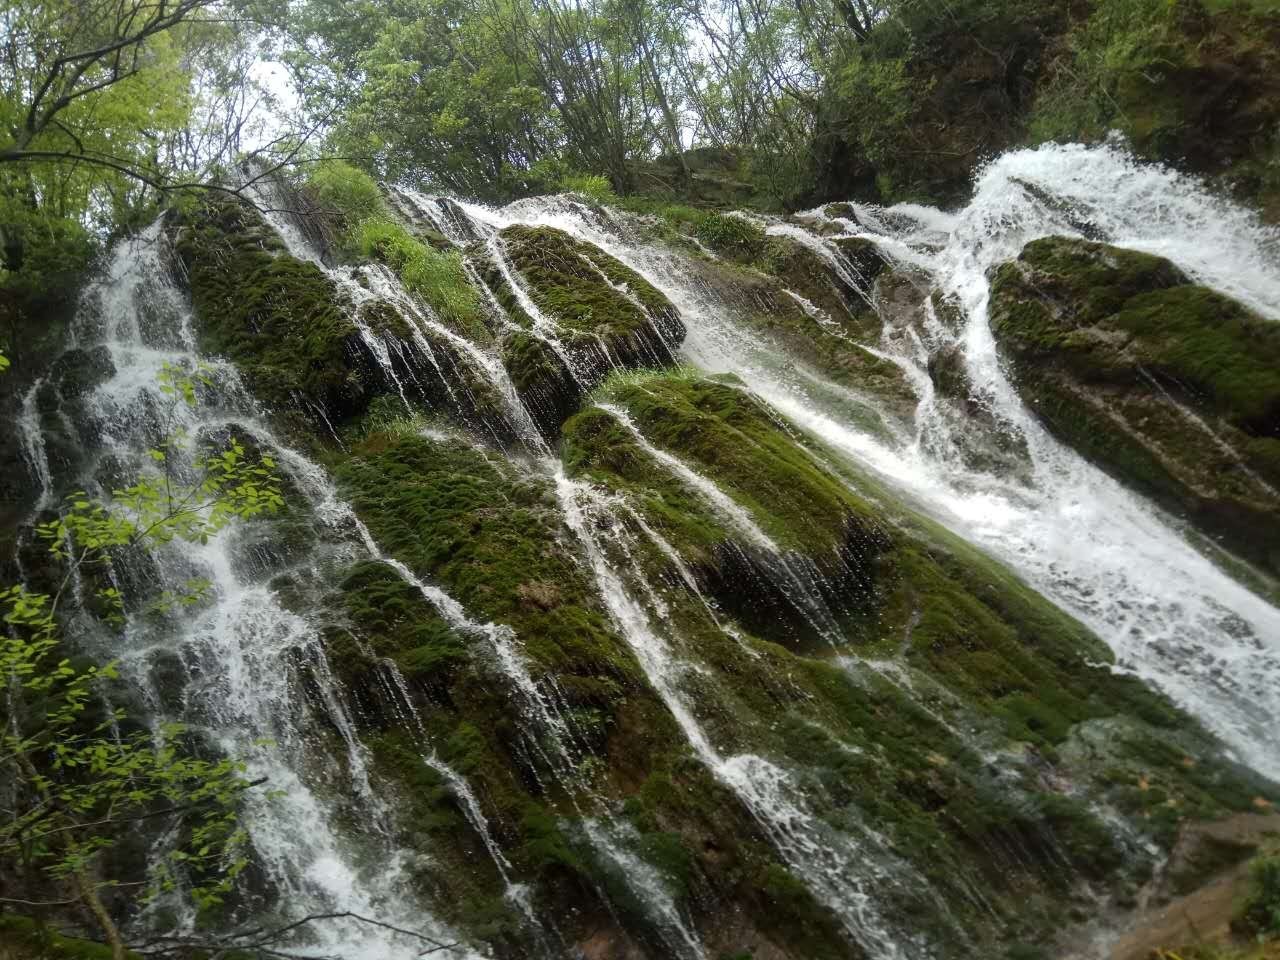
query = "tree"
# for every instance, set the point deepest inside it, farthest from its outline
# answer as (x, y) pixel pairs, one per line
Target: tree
(107, 106)
(77, 782)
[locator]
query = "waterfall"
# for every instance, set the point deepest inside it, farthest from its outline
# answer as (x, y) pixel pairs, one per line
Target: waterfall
(239, 669)
(842, 871)
(249, 668)
(1101, 552)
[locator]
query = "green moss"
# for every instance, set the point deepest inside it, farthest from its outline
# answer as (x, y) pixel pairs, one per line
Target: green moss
(810, 926)
(720, 430)
(546, 845)
(1007, 666)
(578, 285)
(865, 388)
(393, 621)
(29, 940)
(1114, 348)
(606, 317)
(279, 319)
(437, 276)
(1205, 345)
(1260, 912)
(491, 535)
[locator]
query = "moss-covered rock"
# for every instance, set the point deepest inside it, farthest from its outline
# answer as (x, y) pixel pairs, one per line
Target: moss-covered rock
(946, 659)
(831, 340)
(1170, 386)
(597, 315)
(718, 430)
(300, 343)
(281, 320)
(491, 534)
(843, 294)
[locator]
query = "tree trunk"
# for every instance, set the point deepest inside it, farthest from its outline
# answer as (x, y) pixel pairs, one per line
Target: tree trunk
(89, 894)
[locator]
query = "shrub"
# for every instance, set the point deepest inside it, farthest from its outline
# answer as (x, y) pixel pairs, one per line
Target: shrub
(594, 187)
(1260, 912)
(734, 236)
(348, 197)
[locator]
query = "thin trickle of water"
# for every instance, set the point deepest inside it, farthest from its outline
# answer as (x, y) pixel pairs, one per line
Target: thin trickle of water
(612, 838)
(826, 252)
(403, 702)
(841, 871)
(33, 449)
(797, 582)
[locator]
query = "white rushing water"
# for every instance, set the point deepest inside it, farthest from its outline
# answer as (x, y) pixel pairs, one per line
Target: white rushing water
(1098, 550)
(248, 673)
(847, 874)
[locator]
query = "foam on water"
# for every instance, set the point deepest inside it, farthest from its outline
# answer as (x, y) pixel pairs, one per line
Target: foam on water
(1101, 552)
(242, 669)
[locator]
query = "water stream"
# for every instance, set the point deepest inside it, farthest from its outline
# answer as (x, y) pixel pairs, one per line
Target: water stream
(1101, 552)
(251, 668)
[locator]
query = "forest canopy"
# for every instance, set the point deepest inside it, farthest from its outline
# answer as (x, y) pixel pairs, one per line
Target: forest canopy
(113, 106)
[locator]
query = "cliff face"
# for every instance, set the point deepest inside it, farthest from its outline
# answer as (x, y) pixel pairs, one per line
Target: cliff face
(595, 648)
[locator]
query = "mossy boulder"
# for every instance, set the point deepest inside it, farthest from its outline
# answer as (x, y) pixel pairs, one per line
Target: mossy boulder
(803, 531)
(843, 294)
(494, 539)
(300, 343)
(948, 670)
(597, 316)
(280, 319)
(1168, 385)
(832, 342)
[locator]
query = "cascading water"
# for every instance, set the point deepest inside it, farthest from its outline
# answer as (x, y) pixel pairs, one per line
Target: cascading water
(247, 667)
(240, 669)
(843, 871)
(798, 581)
(549, 737)
(1098, 550)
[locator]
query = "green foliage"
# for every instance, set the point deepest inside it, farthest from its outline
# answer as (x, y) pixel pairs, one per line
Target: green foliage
(1120, 44)
(435, 275)
(880, 96)
(734, 236)
(1260, 912)
(162, 506)
(103, 110)
(592, 186)
(348, 192)
(1150, 69)
(28, 938)
(81, 783)
(87, 784)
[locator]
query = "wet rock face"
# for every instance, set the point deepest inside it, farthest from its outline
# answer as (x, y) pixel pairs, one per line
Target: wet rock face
(298, 342)
(1169, 386)
(596, 316)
